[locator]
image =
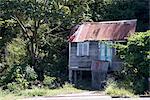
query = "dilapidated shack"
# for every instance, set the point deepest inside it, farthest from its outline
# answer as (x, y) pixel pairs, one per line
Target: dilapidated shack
(90, 50)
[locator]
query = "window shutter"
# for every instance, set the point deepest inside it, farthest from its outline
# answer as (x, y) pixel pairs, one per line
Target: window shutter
(105, 51)
(109, 52)
(86, 48)
(83, 49)
(79, 49)
(102, 52)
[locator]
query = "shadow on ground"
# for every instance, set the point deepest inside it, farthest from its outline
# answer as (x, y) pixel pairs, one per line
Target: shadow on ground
(85, 85)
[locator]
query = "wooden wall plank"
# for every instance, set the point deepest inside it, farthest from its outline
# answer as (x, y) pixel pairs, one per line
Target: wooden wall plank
(83, 61)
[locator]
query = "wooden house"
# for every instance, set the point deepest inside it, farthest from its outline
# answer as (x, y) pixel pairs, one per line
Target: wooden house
(90, 50)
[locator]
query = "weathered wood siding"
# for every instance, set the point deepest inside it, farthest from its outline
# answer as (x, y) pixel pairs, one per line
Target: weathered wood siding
(86, 61)
(83, 61)
(116, 62)
(99, 70)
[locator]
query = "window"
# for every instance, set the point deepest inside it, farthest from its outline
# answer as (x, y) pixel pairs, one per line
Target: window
(105, 51)
(83, 49)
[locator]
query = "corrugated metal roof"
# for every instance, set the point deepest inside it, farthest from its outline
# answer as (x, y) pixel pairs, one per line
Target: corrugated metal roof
(109, 30)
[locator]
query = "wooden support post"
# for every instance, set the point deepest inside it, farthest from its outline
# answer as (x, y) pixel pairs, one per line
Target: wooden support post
(149, 83)
(75, 76)
(80, 74)
(70, 70)
(70, 76)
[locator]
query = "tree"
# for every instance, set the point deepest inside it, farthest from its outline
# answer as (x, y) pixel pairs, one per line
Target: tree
(122, 10)
(42, 21)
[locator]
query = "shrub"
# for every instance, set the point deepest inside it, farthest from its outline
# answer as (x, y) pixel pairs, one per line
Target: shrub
(16, 62)
(49, 82)
(19, 82)
(13, 87)
(136, 57)
(30, 74)
(113, 89)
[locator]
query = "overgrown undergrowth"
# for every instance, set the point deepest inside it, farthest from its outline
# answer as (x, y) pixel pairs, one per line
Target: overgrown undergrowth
(114, 89)
(67, 89)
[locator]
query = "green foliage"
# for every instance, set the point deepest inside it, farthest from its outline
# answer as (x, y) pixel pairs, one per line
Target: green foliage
(13, 87)
(30, 74)
(8, 31)
(136, 61)
(49, 82)
(44, 26)
(67, 88)
(113, 89)
(2, 92)
(122, 9)
(19, 83)
(34, 92)
(5, 95)
(15, 64)
(16, 52)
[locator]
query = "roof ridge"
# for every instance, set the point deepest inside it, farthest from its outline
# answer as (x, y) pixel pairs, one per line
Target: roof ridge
(109, 22)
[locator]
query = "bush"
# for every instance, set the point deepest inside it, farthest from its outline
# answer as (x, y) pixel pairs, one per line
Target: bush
(19, 82)
(113, 89)
(49, 82)
(136, 57)
(13, 87)
(15, 62)
(30, 74)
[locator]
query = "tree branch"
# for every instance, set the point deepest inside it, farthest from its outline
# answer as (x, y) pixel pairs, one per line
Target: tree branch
(21, 25)
(56, 36)
(54, 28)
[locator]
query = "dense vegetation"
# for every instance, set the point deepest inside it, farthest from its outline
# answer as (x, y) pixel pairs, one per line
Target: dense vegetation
(136, 56)
(33, 36)
(135, 71)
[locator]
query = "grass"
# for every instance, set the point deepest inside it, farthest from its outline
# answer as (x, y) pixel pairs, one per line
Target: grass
(10, 97)
(67, 89)
(113, 90)
(4, 95)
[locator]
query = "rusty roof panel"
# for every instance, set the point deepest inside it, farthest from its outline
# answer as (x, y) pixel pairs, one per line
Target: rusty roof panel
(109, 30)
